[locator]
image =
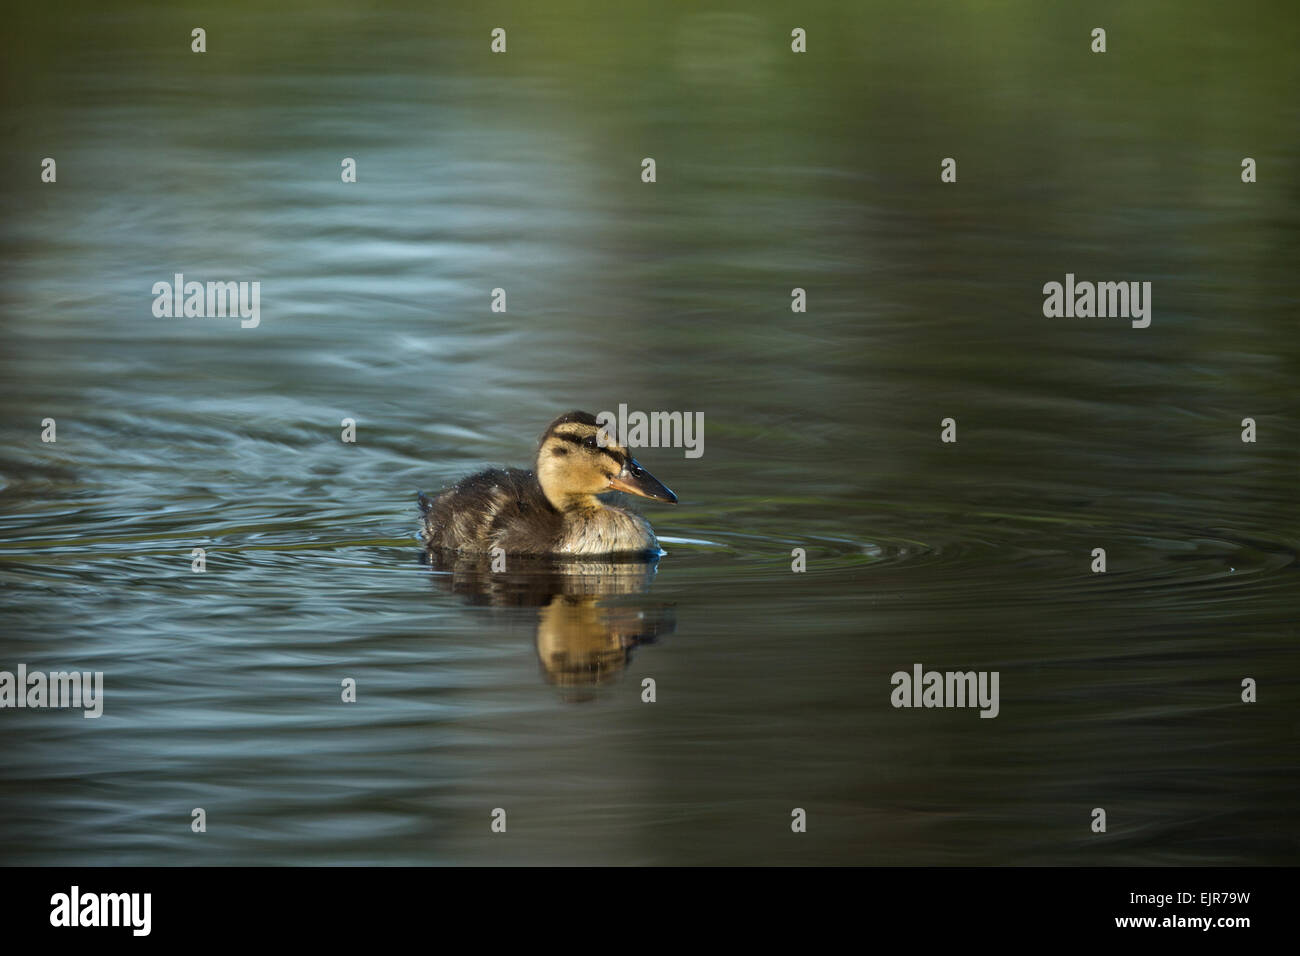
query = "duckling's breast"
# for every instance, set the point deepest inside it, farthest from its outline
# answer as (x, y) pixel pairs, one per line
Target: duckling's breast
(606, 531)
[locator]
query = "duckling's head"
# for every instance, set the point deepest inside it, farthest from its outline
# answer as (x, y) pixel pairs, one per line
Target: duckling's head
(578, 460)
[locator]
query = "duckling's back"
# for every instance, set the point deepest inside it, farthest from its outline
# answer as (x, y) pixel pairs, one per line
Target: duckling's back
(500, 507)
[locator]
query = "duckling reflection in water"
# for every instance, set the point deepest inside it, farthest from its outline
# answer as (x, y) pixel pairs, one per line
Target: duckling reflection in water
(552, 510)
(581, 643)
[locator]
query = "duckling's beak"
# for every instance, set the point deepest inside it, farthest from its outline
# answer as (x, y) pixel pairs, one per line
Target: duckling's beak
(635, 480)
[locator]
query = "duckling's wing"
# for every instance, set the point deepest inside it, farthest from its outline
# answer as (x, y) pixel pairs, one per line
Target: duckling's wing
(457, 517)
(499, 507)
(525, 521)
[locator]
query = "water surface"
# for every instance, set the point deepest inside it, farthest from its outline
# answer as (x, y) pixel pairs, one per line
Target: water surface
(775, 171)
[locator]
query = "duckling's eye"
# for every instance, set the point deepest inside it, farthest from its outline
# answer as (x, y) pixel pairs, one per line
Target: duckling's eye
(590, 441)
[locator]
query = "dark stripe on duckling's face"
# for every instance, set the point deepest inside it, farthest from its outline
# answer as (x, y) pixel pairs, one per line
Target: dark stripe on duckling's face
(591, 443)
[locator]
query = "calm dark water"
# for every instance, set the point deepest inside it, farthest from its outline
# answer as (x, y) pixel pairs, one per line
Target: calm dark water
(774, 170)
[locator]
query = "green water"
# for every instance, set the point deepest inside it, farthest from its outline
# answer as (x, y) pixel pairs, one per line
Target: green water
(775, 170)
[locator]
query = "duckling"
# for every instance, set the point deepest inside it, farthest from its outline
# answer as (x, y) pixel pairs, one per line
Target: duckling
(552, 510)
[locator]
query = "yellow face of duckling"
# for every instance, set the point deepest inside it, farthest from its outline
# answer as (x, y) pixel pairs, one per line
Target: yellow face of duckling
(577, 461)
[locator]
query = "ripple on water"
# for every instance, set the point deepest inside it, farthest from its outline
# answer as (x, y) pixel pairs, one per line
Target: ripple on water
(962, 559)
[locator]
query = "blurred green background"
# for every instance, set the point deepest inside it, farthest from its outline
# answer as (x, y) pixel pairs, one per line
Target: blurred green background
(775, 170)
